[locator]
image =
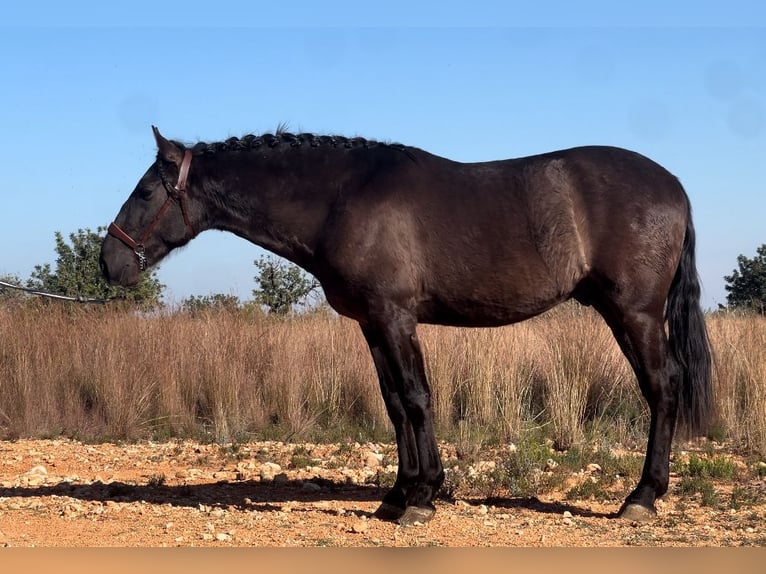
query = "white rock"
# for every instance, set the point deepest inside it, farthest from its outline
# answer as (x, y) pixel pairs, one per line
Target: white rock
(39, 469)
(269, 470)
(359, 527)
(34, 480)
(372, 459)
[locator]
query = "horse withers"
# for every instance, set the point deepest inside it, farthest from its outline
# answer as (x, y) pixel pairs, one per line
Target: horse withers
(398, 236)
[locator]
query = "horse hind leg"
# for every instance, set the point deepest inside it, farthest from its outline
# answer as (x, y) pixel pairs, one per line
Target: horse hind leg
(642, 338)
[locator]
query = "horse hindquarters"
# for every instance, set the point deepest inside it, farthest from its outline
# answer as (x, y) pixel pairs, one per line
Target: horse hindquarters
(667, 368)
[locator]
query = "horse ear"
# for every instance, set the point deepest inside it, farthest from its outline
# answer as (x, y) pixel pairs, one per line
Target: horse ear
(168, 151)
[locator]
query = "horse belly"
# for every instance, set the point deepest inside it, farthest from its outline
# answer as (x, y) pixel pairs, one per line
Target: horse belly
(486, 300)
(477, 313)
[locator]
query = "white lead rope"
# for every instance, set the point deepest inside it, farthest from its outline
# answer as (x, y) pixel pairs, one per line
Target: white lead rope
(55, 296)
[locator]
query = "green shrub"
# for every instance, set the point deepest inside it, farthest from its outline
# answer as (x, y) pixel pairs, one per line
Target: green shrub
(689, 486)
(716, 467)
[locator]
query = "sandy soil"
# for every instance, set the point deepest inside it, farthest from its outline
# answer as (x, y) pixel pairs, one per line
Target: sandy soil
(58, 493)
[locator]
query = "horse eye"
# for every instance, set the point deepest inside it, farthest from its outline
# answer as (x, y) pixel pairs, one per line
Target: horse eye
(145, 193)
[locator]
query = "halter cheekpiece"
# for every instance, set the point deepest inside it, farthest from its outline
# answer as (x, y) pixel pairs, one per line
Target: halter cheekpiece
(175, 193)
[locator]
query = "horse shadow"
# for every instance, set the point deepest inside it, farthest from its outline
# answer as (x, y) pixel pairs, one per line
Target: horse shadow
(534, 504)
(263, 496)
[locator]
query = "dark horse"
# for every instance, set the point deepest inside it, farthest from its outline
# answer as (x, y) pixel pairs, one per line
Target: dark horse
(398, 236)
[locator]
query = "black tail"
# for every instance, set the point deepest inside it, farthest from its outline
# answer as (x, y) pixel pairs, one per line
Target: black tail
(689, 341)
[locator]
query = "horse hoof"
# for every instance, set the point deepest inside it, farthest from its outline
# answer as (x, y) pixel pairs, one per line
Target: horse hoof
(388, 511)
(637, 513)
(416, 514)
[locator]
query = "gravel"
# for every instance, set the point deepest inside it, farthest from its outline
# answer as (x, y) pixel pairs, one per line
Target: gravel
(65, 493)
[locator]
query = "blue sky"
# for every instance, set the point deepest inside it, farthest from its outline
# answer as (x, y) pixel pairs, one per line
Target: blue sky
(83, 82)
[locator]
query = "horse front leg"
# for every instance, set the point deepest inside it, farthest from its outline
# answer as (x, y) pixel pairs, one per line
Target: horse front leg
(401, 372)
(395, 501)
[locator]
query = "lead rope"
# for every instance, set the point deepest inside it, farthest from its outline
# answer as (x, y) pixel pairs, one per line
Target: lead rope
(78, 299)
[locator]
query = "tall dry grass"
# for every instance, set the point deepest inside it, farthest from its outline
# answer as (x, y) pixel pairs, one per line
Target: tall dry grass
(740, 378)
(109, 374)
(557, 373)
(92, 373)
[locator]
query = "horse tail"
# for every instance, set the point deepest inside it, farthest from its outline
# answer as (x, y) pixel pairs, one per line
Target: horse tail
(689, 340)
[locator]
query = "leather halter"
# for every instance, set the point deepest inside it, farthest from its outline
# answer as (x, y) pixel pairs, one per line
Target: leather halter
(176, 193)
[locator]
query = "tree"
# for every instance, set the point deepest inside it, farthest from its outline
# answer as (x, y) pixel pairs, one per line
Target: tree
(747, 284)
(281, 285)
(196, 304)
(8, 295)
(78, 274)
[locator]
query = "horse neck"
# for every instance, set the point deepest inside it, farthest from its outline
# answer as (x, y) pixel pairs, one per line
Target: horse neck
(277, 200)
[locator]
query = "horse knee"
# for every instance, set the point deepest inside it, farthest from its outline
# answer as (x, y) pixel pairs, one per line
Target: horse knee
(417, 403)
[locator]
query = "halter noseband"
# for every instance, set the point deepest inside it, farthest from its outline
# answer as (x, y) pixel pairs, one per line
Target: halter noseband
(176, 193)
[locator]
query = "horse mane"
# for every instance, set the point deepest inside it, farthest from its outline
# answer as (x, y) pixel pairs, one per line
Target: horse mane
(284, 138)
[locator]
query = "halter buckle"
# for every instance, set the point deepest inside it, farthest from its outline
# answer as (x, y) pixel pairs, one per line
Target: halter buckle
(140, 252)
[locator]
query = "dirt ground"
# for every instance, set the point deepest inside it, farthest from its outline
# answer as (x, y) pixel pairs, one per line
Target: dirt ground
(62, 493)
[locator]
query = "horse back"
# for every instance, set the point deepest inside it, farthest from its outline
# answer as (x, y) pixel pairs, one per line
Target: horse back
(497, 242)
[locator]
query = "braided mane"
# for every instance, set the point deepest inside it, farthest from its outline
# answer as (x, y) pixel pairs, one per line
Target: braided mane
(280, 138)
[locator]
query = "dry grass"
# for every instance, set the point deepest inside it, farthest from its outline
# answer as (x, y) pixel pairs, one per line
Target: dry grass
(109, 374)
(740, 378)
